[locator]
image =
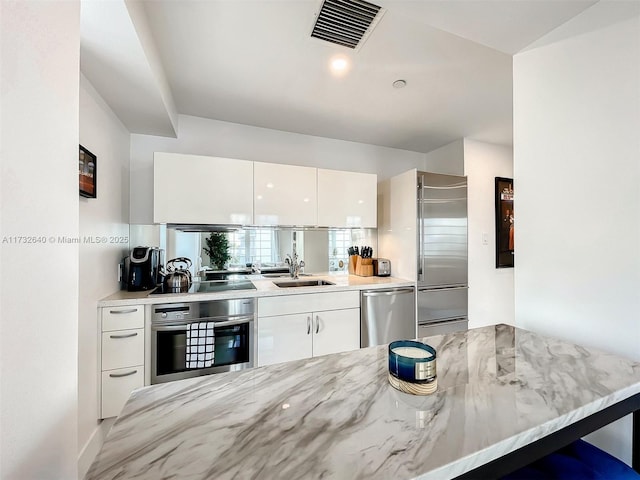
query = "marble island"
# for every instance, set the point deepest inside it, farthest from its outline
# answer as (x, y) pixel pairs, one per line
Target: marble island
(499, 388)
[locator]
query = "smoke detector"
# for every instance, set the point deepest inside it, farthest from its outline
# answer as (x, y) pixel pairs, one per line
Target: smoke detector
(347, 23)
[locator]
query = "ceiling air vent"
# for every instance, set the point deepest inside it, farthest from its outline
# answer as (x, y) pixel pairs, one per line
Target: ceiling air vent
(345, 22)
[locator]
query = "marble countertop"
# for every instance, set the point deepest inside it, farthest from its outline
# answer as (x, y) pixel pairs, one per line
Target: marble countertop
(264, 288)
(336, 416)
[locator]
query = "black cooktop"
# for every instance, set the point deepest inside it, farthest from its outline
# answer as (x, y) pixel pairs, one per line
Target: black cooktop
(213, 286)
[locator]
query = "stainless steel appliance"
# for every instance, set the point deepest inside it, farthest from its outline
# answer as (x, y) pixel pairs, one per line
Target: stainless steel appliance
(239, 282)
(233, 337)
(178, 276)
(442, 254)
(144, 268)
(387, 315)
(383, 267)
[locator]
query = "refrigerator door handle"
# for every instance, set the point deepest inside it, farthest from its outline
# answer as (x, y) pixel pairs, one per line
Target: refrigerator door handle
(420, 228)
(387, 292)
(447, 287)
(443, 320)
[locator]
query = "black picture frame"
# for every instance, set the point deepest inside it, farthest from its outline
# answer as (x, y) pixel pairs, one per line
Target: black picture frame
(87, 173)
(504, 223)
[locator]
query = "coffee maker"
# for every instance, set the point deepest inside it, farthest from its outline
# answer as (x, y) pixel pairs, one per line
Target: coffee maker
(144, 268)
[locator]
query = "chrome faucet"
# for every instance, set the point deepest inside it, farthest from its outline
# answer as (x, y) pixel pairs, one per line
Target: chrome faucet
(294, 265)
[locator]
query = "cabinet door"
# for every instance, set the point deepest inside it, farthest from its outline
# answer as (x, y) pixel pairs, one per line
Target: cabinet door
(284, 194)
(284, 338)
(347, 199)
(122, 348)
(122, 318)
(117, 385)
(336, 331)
(202, 190)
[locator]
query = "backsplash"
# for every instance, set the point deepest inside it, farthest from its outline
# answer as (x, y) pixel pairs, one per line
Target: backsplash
(321, 249)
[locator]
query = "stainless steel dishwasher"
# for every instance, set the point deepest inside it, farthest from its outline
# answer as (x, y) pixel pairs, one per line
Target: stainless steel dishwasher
(387, 315)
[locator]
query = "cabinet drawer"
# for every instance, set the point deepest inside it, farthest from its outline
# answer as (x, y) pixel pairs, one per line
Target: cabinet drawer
(122, 318)
(122, 348)
(313, 302)
(117, 385)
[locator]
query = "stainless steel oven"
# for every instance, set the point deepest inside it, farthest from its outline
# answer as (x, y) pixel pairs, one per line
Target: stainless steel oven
(174, 332)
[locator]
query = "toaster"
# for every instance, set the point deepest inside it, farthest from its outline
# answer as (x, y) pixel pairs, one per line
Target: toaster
(384, 267)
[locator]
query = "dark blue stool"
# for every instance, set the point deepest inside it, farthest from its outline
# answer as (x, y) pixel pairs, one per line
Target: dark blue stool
(577, 461)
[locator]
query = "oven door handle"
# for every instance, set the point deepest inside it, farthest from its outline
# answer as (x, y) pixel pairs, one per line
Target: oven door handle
(174, 326)
(230, 323)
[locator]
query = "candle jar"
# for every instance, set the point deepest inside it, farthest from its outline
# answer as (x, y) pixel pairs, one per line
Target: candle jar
(411, 361)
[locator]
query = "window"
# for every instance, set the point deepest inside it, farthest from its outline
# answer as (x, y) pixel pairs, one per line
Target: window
(339, 241)
(252, 245)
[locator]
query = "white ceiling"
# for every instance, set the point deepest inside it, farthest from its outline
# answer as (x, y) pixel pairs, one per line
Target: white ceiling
(253, 62)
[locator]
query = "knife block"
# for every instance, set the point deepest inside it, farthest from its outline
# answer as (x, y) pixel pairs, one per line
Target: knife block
(364, 267)
(353, 260)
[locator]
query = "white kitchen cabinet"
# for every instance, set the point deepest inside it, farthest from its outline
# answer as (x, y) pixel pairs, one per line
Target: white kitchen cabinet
(293, 327)
(117, 385)
(336, 331)
(122, 318)
(122, 348)
(283, 338)
(121, 356)
(347, 199)
(195, 189)
(284, 194)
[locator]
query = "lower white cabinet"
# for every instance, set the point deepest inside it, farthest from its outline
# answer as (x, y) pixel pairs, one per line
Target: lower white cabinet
(333, 326)
(121, 356)
(117, 385)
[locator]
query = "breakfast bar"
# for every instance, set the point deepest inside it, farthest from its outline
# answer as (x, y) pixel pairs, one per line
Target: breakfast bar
(505, 396)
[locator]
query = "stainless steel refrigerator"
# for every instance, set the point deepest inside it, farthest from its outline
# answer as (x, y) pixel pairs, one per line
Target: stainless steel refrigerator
(442, 271)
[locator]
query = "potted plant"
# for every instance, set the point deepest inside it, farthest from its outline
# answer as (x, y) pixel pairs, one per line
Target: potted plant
(218, 250)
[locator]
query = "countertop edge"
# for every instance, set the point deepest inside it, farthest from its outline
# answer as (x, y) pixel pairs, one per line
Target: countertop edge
(264, 288)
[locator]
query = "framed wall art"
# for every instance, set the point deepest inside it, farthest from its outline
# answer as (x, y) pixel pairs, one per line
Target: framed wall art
(504, 223)
(87, 172)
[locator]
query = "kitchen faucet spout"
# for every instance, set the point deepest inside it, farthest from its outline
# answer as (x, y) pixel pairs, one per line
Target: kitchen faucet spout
(294, 265)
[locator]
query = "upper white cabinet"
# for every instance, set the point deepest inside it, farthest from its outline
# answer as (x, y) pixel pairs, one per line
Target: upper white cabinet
(284, 194)
(202, 190)
(347, 199)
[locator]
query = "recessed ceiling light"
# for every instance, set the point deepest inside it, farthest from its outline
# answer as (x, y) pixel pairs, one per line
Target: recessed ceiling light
(339, 65)
(399, 84)
(269, 185)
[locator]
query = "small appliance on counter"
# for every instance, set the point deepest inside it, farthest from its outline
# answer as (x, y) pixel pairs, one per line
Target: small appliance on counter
(178, 278)
(382, 267)
(144, 268)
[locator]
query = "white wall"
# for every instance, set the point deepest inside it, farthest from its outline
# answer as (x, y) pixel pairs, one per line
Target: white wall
(105, 216)
(449, 159)
(491, 296)
(212, 137)
(39, 187)
(577, 178)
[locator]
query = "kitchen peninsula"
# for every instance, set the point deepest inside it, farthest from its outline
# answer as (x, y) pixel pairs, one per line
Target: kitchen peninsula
(499, 389)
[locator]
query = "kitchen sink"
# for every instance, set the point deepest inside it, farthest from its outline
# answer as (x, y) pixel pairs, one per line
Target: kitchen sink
(303, 283)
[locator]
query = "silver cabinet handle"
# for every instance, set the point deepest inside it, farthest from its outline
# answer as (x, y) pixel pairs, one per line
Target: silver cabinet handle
(124, 336)
(118, 375)
(317, 324)
(308, 325)
(120, 312)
